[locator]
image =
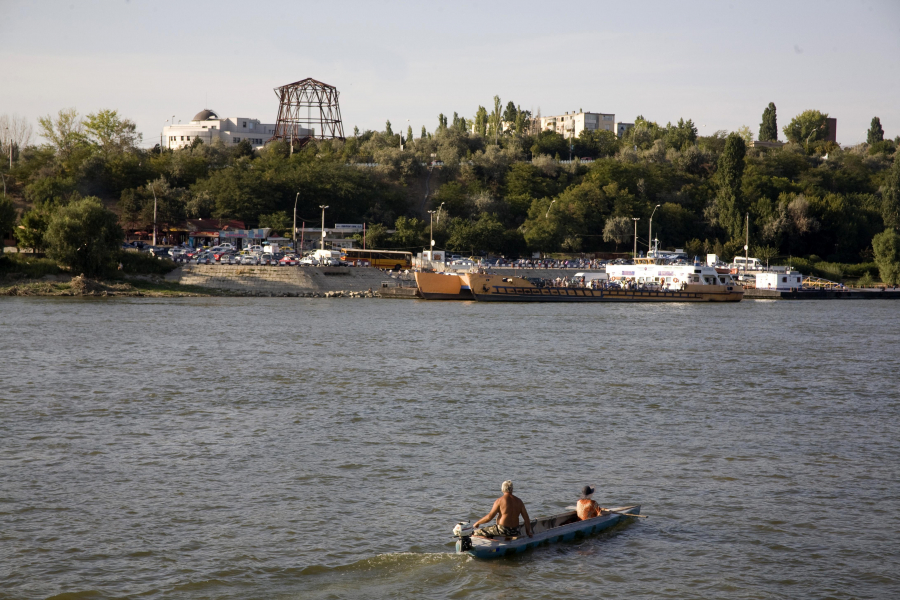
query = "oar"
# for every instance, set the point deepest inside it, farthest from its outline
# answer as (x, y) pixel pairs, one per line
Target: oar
(615, 512)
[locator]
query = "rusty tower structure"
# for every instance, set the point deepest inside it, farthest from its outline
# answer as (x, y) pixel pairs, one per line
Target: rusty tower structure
(308, 109)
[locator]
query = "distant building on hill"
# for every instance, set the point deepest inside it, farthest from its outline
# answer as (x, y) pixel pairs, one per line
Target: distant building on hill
(572, 124)
(830, 129)
(621, 128)
(207, 126)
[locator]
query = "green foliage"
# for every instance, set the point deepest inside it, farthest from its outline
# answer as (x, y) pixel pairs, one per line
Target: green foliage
(618, 230)
(28, 265)
(65, 133)
(410, 234)
(768, 129)
(730, 201)
(387, 128)
(84, 236)
(111, 133)
(279, 221)
(32, 228)
(140, 263)
(808, 126)
(375, 236)
(887, 255)
(764, 253)
(890, 199)
(7, 217)
(875, 133)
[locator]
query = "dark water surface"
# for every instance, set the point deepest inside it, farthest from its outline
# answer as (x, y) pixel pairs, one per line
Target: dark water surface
(287, 448)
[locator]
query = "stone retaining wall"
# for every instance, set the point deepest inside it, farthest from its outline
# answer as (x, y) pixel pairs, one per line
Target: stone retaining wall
(281, 280)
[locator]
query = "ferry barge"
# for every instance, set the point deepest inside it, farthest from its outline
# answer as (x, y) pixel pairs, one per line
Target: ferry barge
(648, 280)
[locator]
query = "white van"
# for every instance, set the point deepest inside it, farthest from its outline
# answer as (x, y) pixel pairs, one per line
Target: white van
(590, 276)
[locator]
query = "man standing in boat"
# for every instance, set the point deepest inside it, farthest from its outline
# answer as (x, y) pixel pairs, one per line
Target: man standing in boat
(507, 509)
(587, 508)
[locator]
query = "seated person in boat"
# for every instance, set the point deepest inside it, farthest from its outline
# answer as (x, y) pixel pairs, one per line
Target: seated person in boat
(507, 509)
(587, 508)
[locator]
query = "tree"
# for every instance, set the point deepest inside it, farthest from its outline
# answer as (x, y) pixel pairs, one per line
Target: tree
(409, 233)
(890, 197)
(7, 216)
(279, 222)
(85, 237)
(409, 134)
(65, 133)
(15, 132)
(768, 129)
(745, 133)
(375, 236)
(808, 126)
(876, 133)
(510, 114)
(424, 133)
(887, 255)
(387, 129)
(729, 199)
(765, 253)
(481, 121)
(110, 132)
(618, 230)
(32, 228)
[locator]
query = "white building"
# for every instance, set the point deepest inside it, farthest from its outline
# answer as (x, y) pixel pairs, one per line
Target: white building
(621, 128)
(207, 126)
(572, 124)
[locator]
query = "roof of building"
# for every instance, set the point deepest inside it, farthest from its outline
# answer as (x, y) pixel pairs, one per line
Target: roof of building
(204, 115)
(213, 224)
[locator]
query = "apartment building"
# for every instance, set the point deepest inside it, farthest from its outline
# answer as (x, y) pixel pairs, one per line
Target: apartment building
(572, 124)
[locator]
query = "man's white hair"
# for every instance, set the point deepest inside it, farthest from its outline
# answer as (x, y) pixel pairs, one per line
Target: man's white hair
(507, 486)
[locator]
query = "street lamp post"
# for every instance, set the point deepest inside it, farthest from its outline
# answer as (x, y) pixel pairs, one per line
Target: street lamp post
(294, 230)
(547, 216)
(431, 237)
(635, 219)
(650, 234)
(153, 189)
(439, 212)
(323, 207)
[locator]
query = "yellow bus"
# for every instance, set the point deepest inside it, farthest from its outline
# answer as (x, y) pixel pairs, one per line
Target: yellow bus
(381, 259)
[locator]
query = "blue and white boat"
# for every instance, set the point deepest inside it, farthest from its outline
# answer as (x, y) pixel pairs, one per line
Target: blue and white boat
(563, 527)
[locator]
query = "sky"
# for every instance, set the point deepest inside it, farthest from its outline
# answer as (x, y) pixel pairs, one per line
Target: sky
(719, 63)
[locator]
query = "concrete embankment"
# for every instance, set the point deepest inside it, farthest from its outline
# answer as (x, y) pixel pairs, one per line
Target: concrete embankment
(266, 281)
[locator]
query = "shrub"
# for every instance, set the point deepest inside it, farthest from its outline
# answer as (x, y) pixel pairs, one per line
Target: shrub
(28, 265)
(85, 237)
(138, 263)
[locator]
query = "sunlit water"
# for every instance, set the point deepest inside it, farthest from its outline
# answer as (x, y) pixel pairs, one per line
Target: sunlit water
(285, 448)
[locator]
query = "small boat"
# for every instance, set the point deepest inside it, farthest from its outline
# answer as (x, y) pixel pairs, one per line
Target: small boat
(563, 527)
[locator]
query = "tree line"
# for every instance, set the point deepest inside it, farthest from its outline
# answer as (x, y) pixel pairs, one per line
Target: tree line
(495, 183)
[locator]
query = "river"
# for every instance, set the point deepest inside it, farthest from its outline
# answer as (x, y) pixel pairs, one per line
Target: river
(303, 448)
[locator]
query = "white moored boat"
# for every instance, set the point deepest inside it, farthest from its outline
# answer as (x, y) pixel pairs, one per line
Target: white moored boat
(563, 527)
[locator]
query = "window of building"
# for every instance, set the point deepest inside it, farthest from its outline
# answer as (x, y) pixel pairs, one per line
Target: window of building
(243, 123)
(236, 140)
(182, 138)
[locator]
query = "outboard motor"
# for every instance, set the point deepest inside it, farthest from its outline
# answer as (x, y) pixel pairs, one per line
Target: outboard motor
(463, 531)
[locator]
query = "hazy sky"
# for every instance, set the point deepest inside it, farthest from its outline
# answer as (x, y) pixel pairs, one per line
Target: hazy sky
(718, 63)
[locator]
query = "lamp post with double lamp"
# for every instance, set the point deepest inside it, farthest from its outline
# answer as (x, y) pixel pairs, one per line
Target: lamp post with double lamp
(294, 230)
(323, 207)
(650, 234)
(635, 219)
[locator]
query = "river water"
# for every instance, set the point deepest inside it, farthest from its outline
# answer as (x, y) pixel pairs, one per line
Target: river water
(292, 448)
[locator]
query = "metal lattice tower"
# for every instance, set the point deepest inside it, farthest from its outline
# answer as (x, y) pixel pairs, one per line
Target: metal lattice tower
(309, 109)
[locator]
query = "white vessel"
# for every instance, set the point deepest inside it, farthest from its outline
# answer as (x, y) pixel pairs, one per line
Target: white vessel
(658, 273)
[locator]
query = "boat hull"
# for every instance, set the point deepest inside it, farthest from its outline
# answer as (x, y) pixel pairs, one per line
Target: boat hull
(438, 286)
(546, 532)
(496, 288)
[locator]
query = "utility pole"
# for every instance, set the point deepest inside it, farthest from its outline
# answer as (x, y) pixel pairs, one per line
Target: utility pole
(323, 207)
(294, 230)
(635, 219)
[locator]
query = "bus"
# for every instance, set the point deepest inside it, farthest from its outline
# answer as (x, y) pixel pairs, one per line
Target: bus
(382, 259)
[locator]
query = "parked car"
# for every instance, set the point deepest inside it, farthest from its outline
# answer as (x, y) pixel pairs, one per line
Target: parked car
(249, 259)
(309, 261)
(288, 260)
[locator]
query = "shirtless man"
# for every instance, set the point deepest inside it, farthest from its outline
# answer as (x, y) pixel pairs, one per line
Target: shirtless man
(507, 509)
